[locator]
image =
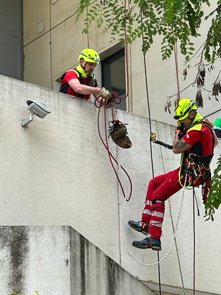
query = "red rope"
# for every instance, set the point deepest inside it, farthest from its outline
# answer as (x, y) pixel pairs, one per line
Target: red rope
(109, 104)
(110, 155)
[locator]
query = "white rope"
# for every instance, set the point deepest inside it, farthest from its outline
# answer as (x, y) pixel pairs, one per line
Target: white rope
(171, 217)
(171, 244)
(172, 241)
(122, 221)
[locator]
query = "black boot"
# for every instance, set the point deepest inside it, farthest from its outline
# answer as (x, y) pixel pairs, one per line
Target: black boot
(146, 243)
(139, 226)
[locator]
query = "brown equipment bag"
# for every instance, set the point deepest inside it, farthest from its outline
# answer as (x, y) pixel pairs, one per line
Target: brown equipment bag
(118, 133)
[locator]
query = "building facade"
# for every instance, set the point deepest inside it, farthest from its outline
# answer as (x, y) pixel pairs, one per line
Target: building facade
(53, 169)
(52, 43)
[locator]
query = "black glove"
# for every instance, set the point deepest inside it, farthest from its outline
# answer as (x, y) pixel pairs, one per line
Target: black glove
(181, 129)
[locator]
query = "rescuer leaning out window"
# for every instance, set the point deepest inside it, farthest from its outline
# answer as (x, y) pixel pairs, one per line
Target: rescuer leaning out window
(81, 82)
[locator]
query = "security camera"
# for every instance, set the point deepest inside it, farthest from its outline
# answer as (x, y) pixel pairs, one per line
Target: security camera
(36, 109)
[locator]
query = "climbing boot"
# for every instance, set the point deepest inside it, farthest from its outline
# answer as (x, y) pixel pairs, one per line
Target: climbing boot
(146, 243)
(155, 244)
(139, 226)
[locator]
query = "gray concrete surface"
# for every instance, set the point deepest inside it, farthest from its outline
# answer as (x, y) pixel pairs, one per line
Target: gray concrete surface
(56, 260)
(56, 171)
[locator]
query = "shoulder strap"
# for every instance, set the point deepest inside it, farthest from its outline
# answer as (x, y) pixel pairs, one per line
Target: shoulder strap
(203, 121)
(64, 86)
(79, 75)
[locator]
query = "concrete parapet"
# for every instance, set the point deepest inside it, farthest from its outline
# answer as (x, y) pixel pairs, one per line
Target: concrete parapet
(57, 260)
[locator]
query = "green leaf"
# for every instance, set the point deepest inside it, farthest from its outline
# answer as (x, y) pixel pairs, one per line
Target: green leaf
(214, 198)
(178, 19)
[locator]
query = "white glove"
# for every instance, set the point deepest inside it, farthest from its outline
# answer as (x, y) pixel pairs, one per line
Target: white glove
(105, 93)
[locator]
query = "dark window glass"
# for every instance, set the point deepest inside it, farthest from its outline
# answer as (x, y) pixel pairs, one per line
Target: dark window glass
(11, 42)
(113, 76)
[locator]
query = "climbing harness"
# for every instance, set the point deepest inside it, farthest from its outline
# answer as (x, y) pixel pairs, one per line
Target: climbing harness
(198, 173)
(195, 166)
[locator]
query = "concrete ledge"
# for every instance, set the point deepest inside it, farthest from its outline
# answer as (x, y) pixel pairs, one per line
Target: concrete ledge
(57, 260)
(169, 290)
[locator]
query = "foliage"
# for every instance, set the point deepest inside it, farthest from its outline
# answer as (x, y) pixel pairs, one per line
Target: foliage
(214, 198)
(174, 20)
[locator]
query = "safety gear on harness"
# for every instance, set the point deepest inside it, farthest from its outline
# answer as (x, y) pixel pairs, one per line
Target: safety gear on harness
(90, 55)
(118, 133)
(197, 172)
(195, 168)
(185, 105)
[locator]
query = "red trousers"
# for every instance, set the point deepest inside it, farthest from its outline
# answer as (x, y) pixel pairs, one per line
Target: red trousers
(160, 188)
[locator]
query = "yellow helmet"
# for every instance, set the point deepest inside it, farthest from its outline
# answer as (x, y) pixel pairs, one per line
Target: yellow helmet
(185, 105)
(89, 55)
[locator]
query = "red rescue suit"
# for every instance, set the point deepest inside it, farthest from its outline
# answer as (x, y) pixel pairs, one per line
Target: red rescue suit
(162, 187)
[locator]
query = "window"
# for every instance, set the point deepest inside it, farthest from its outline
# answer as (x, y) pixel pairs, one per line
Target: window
(113, 76)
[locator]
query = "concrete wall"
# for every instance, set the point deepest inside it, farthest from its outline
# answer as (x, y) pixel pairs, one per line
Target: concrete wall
(50, 163)
(94, 273)
(35, 259)
(56, 172)
(57, 260)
